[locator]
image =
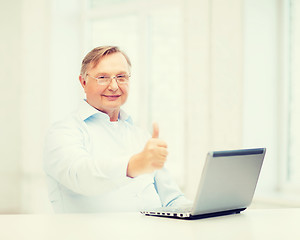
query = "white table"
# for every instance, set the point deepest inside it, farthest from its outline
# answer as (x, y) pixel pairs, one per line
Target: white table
(271, 224)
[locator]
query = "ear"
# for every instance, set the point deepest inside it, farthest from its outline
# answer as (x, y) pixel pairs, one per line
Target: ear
(82, 81)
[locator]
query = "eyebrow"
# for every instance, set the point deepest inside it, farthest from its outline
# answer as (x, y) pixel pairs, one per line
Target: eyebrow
(104, 73)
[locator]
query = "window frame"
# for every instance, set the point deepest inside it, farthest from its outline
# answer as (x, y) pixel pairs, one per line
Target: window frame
(285, 90)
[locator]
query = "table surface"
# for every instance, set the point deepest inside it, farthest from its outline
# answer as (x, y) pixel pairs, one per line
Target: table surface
(250, 224)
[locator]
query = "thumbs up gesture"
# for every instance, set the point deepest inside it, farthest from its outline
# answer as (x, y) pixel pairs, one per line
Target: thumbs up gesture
(156, 149)
(155, 133)
(153, 156)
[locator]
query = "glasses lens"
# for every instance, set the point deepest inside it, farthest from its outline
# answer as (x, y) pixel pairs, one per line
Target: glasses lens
(103, 80)
(122, 78)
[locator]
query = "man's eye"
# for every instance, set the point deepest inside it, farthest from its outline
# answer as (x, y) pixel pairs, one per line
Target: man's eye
(102, 77)
(121, 76)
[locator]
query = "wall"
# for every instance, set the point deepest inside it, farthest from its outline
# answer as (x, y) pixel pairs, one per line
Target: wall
(214, 83)
(261, 80)
(50, 86)
(11, 77)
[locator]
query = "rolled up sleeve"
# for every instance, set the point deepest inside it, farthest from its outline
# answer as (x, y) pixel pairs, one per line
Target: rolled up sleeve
(168, 190)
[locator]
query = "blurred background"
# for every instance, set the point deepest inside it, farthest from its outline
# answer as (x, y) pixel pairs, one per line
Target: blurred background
(214, 74)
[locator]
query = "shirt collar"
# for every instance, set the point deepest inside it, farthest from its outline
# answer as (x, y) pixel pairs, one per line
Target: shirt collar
(85, 111)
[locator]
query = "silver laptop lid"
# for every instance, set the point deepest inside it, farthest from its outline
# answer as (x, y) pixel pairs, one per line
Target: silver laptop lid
(228, 180)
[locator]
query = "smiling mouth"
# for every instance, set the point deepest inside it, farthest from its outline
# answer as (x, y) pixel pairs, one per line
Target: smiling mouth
(112, 97)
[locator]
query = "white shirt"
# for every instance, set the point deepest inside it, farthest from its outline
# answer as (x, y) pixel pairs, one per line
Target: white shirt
(86, 157)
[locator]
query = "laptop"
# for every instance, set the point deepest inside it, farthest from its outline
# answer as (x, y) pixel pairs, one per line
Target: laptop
(226, 186)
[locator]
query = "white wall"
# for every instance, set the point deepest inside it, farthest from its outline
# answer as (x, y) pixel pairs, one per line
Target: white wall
(65, 42)
(214, 84)
(40, 59)
(261, 81)
(11, 77)
(35, 25)
(50, 86)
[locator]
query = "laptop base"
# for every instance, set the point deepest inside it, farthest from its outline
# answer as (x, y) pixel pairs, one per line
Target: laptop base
(195, 217)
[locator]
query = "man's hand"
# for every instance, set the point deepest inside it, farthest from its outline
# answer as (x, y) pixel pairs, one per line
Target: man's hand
(153, 156)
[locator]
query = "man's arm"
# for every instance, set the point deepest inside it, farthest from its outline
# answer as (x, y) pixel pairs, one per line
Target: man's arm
(67, 160)
(168, 190)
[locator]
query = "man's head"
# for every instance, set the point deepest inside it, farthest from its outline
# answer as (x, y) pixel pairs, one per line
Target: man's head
(104, 77)
(94, 56)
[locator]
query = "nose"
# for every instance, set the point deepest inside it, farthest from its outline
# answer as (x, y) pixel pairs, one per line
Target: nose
(113, 86)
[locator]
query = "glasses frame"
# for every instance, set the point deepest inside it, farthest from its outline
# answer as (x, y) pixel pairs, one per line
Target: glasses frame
(107, 80)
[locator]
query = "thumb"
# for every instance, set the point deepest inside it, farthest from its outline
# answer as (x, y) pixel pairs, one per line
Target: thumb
(155, 133)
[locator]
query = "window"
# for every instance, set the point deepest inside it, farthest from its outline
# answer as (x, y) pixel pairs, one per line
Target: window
(293, 76)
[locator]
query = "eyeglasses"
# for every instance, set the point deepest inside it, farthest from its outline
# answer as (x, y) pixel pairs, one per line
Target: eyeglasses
(106, 80)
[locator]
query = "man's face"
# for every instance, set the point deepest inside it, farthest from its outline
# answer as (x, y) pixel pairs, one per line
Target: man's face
(107, 98)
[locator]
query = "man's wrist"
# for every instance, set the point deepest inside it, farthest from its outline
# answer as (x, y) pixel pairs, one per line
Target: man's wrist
(134, 166)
